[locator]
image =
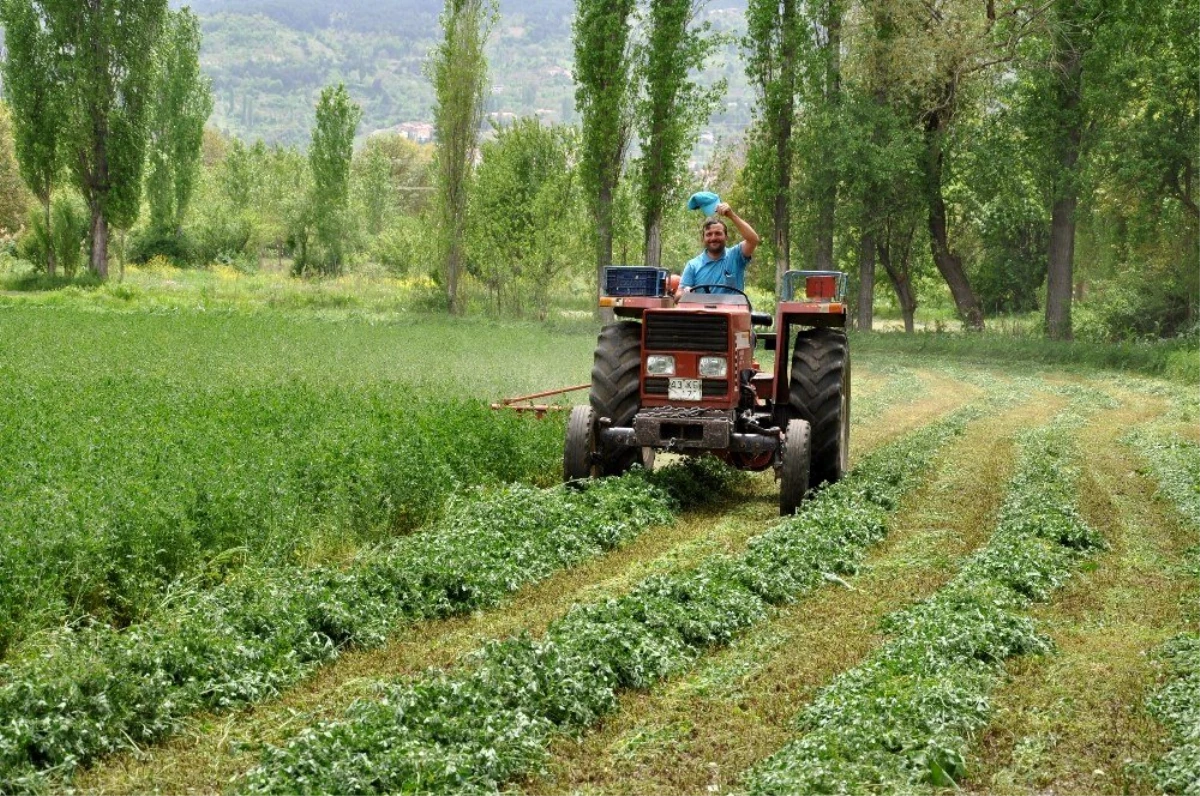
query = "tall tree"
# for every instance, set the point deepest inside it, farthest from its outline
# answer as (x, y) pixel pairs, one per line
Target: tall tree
(823, 79)
(107, 57)
(771, 48)
(33, 85)
(182, 104)
(672, 109)
(329, 158)
(458, 68)
(604, 97)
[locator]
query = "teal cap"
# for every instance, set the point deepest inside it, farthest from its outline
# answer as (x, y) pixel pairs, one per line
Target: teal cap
(704, 201)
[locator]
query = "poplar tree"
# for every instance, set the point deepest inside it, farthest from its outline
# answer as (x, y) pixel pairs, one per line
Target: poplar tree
(182, 104)
(672, 109)
(329, 159)
(604, 98)
(33, 87)
(771, 49)
(458, 69)
(106, 55)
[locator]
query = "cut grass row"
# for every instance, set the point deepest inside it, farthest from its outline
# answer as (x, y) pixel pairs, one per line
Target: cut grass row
(698, 732)
(92, 691)
(474, 729)
(902, 720)
(1175, 465)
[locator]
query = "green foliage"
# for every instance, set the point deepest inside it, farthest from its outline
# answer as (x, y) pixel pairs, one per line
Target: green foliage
(14, 197)
(472, 731)
(458, 70)
(901, 721)
(329, 159)
(673, 108)
(32, 78)
(525, 216)
(107, 83)
(181, 105)
(604, 97)
(65, 237)
(390, 176)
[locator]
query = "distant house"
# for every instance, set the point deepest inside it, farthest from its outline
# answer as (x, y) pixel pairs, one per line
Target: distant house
(421, 132)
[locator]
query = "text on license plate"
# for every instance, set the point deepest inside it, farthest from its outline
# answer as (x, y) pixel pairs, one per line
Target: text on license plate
(683, 390)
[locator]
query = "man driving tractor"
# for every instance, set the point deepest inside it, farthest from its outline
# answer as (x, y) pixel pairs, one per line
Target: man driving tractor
(719, 264)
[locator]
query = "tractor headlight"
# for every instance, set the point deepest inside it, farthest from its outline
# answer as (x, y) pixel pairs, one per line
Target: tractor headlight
(660, 365)
(714, 367)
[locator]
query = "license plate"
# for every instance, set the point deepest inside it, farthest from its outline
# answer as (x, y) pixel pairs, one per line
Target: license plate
(683, 389)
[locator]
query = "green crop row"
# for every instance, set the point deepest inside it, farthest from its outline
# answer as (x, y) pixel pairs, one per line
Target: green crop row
(91, 691)
(1175, 465)
(901, 720)
(471, 730)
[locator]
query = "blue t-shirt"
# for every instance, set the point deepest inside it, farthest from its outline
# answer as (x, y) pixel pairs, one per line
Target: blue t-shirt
(729, 270)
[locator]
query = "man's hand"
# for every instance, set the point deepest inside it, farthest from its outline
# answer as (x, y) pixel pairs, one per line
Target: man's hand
(750, 239)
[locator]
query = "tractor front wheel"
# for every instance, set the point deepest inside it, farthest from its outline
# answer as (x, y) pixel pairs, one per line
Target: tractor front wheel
(579, 456)
(616, 390)
(819, 392)
(793, 474)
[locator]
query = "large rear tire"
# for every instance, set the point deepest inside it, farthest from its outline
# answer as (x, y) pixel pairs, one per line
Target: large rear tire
(579, 459)
(793, 475)
(616, 389)
(819, 392)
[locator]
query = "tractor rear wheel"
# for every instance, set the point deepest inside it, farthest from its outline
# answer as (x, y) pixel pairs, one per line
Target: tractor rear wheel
(616, 390)
(579, 459)
(793, 475)
(819, 392)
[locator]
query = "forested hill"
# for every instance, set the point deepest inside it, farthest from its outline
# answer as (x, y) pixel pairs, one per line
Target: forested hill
(268, 60)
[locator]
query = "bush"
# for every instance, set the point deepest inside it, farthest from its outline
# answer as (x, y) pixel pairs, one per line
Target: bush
(1131, 308)
(146, 244)
(399, 244)
(67, 234)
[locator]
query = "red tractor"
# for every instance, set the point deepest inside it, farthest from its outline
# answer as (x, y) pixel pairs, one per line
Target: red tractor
(680, 375)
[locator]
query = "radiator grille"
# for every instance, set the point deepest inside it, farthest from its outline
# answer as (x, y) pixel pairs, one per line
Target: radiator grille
(686, 331)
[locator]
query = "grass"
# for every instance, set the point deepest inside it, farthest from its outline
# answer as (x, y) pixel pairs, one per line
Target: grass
(1174, 359)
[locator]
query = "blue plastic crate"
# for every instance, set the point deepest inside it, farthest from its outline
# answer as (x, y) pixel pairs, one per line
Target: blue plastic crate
(633, 280)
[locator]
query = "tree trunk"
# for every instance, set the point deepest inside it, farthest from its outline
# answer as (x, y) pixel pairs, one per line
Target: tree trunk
(948, 263)
(99, 259)
(901, 283)
(781, 237)
(51, 261)
(866, 282)
(1059, 276)
(654, 242)
(604, 247)
(453, 264)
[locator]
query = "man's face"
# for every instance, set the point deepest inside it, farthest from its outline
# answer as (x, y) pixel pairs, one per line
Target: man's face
(714, 238)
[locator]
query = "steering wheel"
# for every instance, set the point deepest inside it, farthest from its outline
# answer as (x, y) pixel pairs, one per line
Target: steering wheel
(708, 289)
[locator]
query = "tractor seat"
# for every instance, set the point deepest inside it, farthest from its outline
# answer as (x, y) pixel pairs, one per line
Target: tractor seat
(761, 319)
